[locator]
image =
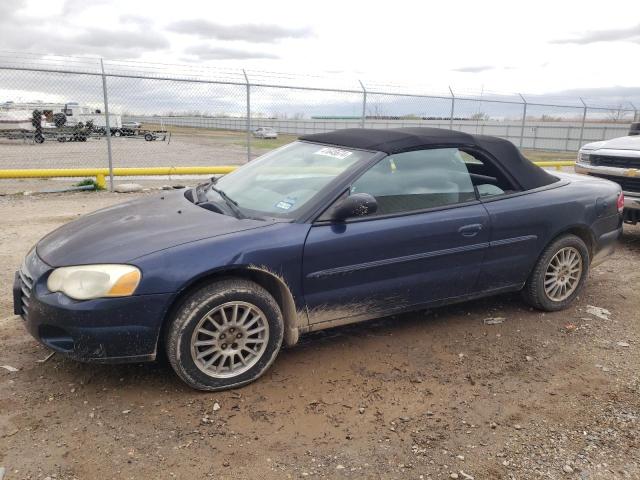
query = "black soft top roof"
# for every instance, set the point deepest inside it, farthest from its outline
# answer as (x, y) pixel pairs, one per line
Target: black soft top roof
(398, 140)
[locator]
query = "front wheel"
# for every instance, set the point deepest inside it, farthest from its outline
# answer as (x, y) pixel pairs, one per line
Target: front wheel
(559, 275)
(224, 335)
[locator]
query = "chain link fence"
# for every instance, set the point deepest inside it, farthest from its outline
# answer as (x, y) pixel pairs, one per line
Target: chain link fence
(94, 113)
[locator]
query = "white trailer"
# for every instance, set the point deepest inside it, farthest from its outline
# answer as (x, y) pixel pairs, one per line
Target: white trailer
(16, 120)
(73, 111)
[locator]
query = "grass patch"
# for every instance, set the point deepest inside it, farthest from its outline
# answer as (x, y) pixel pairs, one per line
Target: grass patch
(545, 156)
(88, 181)
(269, 143)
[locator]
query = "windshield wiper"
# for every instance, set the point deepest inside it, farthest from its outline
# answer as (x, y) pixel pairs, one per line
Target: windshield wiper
(231, 203)
(201, 197)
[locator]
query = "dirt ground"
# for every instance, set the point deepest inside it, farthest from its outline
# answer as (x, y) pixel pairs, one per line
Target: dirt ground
(436, 394)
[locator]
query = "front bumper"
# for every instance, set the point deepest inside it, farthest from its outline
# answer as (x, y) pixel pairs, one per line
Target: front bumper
(631, 199)
(109, 330)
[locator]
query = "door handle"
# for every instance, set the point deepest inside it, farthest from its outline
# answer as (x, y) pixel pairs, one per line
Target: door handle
(470, 230)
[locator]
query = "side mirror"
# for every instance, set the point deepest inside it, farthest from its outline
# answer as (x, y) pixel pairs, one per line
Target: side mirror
(356, 205)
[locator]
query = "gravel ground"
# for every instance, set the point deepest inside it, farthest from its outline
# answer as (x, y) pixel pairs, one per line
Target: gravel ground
(185, 147)
(435, 394)
(182, 150)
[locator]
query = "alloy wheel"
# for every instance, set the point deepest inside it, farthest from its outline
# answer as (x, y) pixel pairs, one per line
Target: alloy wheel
(230, 339)
(563, 274)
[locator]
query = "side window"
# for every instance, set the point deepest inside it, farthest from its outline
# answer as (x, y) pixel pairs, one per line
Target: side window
(487, 179)
(418, 180)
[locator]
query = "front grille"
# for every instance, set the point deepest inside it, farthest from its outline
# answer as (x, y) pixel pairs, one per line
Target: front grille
(628, 184)
(26, 285)
(612, 161)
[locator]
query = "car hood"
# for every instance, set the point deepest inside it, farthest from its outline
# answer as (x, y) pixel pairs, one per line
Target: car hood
(622, 143)
(129, 230)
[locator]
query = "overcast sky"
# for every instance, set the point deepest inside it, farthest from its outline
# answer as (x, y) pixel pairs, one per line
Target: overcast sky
(550, 47)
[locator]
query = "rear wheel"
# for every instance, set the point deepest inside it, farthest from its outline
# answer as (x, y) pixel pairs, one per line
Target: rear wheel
(559, 274)
(224, 335)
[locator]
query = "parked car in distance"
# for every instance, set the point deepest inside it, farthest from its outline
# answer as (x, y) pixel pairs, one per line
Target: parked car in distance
(332, 229)
(131, 125)
(617, 160)
(265, 132)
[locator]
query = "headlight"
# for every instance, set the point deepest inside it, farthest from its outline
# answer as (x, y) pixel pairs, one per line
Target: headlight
(94, 281)
(584, 158)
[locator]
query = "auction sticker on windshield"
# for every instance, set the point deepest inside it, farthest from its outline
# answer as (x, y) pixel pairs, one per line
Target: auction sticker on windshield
(286, 204)
(333, 153)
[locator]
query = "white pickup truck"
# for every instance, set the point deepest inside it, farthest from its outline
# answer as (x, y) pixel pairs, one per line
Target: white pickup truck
(617, 160)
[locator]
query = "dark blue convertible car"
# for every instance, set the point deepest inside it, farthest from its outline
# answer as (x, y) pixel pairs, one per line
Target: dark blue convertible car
(334, 228)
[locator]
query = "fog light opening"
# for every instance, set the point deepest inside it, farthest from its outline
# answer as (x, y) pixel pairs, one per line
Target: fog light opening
(56, 338)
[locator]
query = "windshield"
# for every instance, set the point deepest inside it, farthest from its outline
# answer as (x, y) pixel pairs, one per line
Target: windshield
(286, 179)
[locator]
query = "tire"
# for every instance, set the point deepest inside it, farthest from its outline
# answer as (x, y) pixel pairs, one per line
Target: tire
(542, 296)
(117, 133)
(148, 137)
(38, 138)
(201, 311)
(62, 139)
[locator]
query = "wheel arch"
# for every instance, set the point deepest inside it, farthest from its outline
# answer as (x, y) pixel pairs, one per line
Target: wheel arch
(583, 232)
(263, 276)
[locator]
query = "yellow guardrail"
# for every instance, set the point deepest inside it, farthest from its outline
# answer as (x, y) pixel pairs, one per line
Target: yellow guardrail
(102, 173)
(556, 165)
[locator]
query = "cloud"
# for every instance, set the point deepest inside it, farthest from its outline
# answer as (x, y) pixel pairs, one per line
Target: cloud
(206, 52)
(125, 39)
(597, 96)
(95, 41)
(77, 6)
(474, 69)
(630, 34)
(136, 20)
(21, 32)
(8, 9)
(263, 33)
(11, 13)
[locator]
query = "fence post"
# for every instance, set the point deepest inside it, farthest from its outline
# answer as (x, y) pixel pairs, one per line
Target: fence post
(524, 119)
(584, 118)
(453, 107)
(248, 122)
(635, 112)
(364, 104)
(107, 124)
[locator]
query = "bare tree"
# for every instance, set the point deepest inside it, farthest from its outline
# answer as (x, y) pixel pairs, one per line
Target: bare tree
(479, 116)
(375, 110)
(616, 114)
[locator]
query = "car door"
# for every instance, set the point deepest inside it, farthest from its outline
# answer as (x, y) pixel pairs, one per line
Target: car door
(424, 244)
(519, 223)
(519, 229)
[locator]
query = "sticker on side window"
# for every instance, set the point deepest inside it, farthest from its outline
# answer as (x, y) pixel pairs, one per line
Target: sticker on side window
(333, 153)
